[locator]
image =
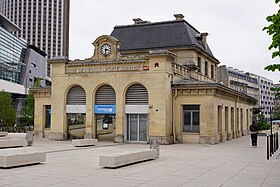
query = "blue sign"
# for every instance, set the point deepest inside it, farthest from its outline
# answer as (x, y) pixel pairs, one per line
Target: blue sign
(105, 109)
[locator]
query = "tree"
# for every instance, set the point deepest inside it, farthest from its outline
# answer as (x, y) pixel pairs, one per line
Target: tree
(277, 112)
(7, 110)
(274, 30)
(27, 114)
(37, 82)
(261, 123)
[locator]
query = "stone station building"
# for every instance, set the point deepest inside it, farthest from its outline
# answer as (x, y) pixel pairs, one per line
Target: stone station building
(144, 80)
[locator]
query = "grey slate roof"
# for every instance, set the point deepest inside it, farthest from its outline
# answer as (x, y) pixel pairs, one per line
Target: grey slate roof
(158, 35)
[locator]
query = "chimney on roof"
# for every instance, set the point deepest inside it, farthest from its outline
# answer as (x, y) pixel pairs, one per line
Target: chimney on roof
(137, 20)
(204, 38)
(179, 17)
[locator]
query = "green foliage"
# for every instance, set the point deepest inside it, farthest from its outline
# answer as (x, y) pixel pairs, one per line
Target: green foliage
(7, 110)
(261, 123)
(37, 82)
(273, 67)
(274, 30)
(276, 92)
(277, 112)
(27, 114)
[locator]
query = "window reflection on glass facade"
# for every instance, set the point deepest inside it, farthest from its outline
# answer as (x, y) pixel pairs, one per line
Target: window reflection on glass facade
(12, 55)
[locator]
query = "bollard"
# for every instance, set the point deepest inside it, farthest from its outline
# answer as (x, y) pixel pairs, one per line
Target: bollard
(271, 145)
(154, 144)
(29, 138)
(267, 147)
(274, 143)
(277, 142)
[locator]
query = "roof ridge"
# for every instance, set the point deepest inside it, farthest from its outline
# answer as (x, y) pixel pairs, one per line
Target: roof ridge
(156, 23)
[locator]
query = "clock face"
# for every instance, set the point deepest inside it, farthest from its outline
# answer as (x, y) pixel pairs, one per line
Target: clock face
(105, 49)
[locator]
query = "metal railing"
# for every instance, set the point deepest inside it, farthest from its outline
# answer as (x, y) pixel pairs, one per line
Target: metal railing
(272, 144)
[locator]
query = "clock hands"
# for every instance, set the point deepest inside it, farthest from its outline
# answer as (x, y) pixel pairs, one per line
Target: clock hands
(105, 49)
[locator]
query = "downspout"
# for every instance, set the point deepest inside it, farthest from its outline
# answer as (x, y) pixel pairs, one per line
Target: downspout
(173, 116)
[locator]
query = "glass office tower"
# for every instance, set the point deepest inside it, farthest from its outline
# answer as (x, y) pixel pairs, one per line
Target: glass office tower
(12, 54)
(43, 23)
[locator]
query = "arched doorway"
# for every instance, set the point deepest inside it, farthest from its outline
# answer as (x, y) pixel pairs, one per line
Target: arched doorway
(136, 109)
(76, 112)
(105, 113)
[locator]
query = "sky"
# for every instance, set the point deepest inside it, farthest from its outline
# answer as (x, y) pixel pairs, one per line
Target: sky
(235, 27)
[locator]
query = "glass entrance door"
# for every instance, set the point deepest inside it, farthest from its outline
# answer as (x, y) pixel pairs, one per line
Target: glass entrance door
(106, 126)
(76, 126)
(137, 125)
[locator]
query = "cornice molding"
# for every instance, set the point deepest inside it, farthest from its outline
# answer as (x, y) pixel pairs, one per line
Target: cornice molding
(41, 92)
(214, 91)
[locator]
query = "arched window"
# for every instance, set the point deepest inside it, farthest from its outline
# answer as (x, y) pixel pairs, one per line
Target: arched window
(76, 96)
(105, 95)
(136, 94)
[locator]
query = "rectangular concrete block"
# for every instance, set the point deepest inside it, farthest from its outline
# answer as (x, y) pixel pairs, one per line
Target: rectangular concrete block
(4, 137)
(8, 142)
(2, 134)
(84, 142)
(120, 159)
(20, 158)
(17, 135)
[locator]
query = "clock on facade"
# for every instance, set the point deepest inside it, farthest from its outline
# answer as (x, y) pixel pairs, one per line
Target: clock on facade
(105, 49)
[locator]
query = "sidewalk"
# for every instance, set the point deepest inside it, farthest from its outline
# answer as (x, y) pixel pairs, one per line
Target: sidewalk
(231, 163)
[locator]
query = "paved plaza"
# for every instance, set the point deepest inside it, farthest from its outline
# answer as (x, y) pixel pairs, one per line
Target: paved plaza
(232, 163)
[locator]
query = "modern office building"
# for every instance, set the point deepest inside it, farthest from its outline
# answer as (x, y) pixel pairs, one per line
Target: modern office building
(277, 98)
(238, 80)
(20, 63)
(146, 80)
(43, 23)
(267, 98)
(254, 85)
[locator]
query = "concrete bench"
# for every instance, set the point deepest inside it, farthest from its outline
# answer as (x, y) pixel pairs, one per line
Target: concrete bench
(84, 142)
(13, 158)
(17, 135)
(4, 137)
(8, 142)
(128, 157)
(3, 134)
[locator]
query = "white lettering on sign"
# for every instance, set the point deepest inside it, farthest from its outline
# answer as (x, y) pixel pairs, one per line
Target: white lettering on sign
(105, 109)
(70, 70)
